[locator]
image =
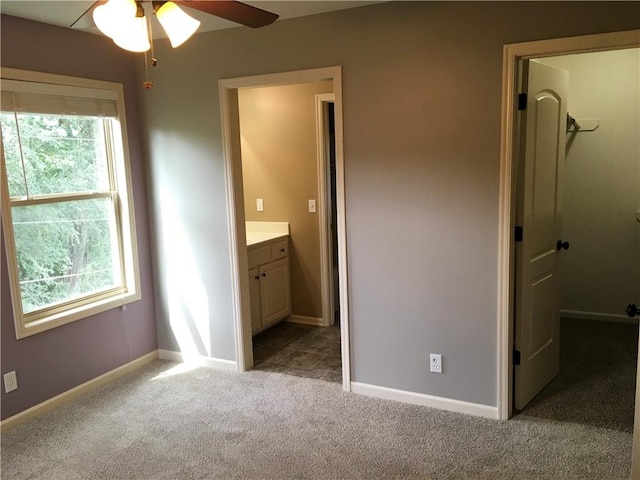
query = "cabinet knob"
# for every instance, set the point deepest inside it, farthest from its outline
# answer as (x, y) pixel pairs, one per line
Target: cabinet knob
(282, 250)
(257, 277)
(264, 274)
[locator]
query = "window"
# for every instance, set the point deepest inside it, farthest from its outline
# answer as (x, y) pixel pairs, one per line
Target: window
(67, 203)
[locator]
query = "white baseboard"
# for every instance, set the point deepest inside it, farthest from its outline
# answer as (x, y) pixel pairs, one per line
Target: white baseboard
(82, 389)
(203, 361)
(602, 317)
(441, 403)
(301, 319)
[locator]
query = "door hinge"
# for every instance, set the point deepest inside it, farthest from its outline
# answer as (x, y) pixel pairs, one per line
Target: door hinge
(522, 101)
(516, 357)
(518, 234)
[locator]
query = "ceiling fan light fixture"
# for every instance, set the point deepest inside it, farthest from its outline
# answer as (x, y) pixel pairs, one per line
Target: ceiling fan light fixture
(133, 35)
(108, 17)
(178, 25)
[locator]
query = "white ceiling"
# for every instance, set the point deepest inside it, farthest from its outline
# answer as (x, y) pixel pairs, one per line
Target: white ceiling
(65, 13)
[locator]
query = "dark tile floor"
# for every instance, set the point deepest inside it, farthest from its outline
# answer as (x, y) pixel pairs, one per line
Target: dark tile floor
(301, 350)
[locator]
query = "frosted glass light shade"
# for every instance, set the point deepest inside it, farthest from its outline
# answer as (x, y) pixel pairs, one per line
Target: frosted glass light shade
(133, 35)
(178, 25)
(108, 17)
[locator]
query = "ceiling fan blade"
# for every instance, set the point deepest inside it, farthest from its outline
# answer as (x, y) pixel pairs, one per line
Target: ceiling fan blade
(231, 10)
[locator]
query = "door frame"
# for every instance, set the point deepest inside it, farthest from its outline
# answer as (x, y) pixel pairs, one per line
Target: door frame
(230, 119)
(324, 208)
(512, 56)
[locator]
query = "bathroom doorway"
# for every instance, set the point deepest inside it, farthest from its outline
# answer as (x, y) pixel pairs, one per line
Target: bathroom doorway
(286, 156)
(230, 90)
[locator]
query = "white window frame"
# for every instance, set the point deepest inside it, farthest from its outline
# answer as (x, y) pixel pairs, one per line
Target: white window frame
(64, 313)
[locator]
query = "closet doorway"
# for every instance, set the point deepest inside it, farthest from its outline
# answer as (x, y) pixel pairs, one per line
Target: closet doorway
(596, 187)
(513, 56)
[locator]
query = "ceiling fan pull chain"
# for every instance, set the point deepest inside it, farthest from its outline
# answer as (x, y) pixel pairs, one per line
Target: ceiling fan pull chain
(154, 60)
(148, 84)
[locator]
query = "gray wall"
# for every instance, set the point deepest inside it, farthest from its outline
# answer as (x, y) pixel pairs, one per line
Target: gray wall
(422, 93)
(601, 270)
(52, 362)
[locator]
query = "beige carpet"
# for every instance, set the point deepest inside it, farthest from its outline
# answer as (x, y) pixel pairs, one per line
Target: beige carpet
(597, 381)
(166, 423)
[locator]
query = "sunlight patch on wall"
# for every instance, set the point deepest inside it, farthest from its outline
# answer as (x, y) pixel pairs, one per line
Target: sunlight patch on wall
(187, 299)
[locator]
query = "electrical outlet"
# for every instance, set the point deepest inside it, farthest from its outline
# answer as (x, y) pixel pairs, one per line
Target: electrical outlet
(10, 382)
(435, 362)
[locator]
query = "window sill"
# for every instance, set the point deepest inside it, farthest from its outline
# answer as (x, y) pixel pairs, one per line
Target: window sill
(26, 329)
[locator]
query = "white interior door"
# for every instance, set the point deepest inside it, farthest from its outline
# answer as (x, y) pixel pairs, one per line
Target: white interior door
(537, 316)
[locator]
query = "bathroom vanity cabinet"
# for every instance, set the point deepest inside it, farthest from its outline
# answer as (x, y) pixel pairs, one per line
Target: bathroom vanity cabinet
(270, 287)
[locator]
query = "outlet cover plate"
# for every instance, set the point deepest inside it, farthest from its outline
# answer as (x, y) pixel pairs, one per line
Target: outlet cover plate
(435, 363)
(10, 382)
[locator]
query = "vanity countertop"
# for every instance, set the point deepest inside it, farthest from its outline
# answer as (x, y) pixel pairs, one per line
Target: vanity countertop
(255, 238)
(264, 232)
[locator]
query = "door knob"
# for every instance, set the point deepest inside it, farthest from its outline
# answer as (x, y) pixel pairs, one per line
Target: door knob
(632, 310)
(562, 245)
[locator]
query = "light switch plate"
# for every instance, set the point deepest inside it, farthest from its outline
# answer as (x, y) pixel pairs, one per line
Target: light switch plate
(260, 204)
(312, 206)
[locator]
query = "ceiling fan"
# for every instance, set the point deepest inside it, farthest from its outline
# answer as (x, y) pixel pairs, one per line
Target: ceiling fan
(228, 9)
(127, 22)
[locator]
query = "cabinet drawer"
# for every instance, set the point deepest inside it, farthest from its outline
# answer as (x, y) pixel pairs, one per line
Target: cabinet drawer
(259, 256)
(280, 249)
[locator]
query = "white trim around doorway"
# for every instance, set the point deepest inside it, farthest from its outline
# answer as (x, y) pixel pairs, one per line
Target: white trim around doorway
(228, 89)
(512, 55)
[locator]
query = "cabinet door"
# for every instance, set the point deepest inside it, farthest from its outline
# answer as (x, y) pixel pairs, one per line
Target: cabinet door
(275, 291)
(254, 293)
